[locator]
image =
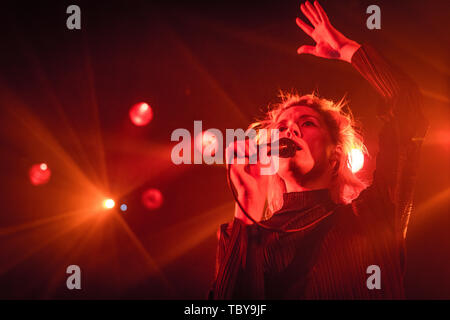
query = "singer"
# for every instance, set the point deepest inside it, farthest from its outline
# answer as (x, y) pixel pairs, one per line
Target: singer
(344, 226)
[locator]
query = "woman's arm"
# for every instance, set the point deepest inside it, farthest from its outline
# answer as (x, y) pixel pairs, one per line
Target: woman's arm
(404, 124)
(400, 139)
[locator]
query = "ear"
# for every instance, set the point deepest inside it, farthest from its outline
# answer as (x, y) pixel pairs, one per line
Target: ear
(336, 158)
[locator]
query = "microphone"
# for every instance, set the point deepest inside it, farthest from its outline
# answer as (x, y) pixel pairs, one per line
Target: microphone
(286, 148)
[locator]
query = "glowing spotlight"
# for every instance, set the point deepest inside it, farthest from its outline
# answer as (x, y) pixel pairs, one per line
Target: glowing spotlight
(108, 203)
(152, 199)
(205, 140)
(39, 174)
(123, 207)
(141, 114)
(355, 160)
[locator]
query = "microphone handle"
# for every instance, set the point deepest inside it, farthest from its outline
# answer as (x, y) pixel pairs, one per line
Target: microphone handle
(285, 151)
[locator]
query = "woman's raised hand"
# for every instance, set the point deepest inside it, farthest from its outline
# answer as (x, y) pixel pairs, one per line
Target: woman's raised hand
(330, 43)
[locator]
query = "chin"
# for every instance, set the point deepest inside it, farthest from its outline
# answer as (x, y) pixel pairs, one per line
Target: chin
(295, 166)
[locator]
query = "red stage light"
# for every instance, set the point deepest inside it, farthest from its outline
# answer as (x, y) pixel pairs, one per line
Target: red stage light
(39, 174)
(152, 199)
(141, 114)
(206, 139)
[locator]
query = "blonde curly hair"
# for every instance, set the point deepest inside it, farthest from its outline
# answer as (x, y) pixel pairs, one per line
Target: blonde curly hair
(344, 134)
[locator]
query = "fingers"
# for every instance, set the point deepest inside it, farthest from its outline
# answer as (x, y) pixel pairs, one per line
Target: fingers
(242, 152)
(235, 153)
(313, 12)
(306, 49)
(305, 27)
(322, 14)
(252, 147)
(313, 18)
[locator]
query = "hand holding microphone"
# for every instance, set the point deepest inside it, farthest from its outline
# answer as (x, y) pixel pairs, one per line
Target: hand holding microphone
(245, 173)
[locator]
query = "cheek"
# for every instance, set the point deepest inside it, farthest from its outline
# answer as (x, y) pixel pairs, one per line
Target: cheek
(317, 144)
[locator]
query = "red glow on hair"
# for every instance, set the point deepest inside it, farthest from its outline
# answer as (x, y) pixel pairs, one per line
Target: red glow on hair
(141, 114)
(206, 139)
(152, 199)
(39, 174)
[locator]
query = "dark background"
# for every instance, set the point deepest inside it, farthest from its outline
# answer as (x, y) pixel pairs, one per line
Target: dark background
(65, 96)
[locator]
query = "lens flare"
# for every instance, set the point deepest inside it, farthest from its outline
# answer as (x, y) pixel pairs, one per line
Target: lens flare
(355, 160)
(141, 114)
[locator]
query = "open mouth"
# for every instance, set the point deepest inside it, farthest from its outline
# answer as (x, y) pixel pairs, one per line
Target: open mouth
(288, 143)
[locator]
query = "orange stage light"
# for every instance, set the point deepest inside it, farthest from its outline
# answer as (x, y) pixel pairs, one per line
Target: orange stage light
(108, 203)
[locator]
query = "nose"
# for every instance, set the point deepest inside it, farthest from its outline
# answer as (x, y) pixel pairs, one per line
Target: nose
(293, 130)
